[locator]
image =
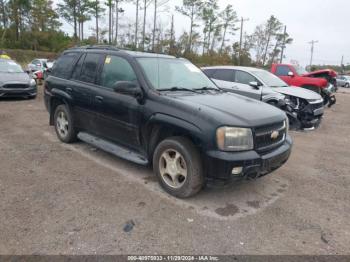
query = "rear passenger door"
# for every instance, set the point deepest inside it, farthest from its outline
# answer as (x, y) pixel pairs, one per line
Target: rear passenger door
(243, 87)
(118, 116)
(83, 89)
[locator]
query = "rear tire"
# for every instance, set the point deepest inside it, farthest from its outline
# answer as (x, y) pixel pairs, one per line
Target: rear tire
(178, 167)
(347, 85)
(64, 124)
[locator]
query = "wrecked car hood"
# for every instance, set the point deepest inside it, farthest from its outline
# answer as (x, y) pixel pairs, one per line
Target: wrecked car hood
(230, 109)
(322, 72)
(298, 92)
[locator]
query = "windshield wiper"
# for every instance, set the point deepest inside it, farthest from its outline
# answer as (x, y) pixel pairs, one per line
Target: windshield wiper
(207, 88)
(176, 88)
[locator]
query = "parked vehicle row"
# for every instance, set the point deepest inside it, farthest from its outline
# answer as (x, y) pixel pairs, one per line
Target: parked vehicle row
(193, 126)
(39, 67)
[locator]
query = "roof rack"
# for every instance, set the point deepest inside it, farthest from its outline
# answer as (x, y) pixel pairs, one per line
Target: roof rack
(103, 47)
(100, 47)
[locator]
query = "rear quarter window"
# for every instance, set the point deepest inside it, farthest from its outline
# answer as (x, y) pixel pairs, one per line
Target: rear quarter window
(64, 64)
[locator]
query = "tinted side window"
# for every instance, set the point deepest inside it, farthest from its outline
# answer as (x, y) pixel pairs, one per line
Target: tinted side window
(90, 67)
(63, 66)
(244, 78)
(224, 75)
(77, 68)
(116, 69)
(282, 70)
(209, 72)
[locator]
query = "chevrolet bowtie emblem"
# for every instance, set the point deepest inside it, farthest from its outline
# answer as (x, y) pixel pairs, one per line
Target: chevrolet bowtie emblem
(275, 135)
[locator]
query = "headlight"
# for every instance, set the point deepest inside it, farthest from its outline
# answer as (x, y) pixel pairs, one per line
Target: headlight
(287, 125)
(32, 82)
(234, 139)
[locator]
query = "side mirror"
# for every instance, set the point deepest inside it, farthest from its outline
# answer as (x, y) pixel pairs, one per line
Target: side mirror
(291, 74)
(128, 88)
(255, 84)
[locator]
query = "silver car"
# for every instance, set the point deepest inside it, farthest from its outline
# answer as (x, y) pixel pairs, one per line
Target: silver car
(343, 81)
(304, 108)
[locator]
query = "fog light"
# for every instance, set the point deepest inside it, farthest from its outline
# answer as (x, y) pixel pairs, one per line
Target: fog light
(237, 171)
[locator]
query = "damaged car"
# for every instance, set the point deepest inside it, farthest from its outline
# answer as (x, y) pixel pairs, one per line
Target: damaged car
(164, 112)
(303, 107)
(322, 82)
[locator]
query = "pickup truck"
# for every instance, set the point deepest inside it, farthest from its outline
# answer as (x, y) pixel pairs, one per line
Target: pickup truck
(322, 81)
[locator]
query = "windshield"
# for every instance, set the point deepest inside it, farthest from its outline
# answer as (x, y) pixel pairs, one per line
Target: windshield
(167, 73)
(269, 79)
(300, 70)
(10, 67)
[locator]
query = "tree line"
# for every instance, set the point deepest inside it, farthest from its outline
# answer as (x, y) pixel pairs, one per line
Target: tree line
(37, 25)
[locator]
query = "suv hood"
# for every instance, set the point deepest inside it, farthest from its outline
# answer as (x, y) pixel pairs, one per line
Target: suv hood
(298, 92)
(21, 78)
(231, 109)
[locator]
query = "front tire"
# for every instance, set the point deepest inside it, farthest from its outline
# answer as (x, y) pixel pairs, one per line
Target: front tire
(64, 124)
(178, 167)
(347, 85)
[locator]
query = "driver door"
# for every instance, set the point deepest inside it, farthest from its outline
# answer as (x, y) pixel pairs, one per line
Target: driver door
(118, 116)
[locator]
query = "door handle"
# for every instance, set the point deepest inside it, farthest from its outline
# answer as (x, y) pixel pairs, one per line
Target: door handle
(69, 90)
(99, 99)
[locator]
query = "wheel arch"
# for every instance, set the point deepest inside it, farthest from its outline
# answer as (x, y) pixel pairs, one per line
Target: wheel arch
(161, 126)
(54, 103)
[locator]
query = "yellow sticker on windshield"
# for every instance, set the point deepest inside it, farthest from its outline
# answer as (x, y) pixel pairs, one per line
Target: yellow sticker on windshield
(108, 60)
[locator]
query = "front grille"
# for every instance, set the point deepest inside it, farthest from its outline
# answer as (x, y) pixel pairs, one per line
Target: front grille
(264, 139)
(15, 86)
(317, 106)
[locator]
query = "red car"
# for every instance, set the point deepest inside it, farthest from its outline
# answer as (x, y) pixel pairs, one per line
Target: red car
(322, 81)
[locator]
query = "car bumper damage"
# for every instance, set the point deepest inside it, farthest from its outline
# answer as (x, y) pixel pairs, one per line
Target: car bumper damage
(303, 115)
(230, 166)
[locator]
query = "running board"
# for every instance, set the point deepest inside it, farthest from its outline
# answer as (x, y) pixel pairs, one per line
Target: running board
(113, 148)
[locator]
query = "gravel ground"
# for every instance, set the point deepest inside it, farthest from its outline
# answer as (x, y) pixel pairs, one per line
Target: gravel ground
(74, 199)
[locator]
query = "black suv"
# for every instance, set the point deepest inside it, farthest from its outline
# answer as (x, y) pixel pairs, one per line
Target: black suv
(161, 110)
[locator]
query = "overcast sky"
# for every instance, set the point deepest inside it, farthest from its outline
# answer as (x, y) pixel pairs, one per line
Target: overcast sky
(324, 20)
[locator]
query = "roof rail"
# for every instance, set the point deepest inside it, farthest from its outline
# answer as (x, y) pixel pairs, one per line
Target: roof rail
(100, 47)
(103, 47)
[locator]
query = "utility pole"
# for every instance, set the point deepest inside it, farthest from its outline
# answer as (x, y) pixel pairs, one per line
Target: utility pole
(342, 64)
(241, 39)
(172, 34)
(118, 10)
(154, 23)
(137, 22)
(312, 43)
(284, 44)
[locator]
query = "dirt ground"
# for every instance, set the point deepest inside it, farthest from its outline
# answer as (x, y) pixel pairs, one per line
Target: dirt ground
(74, 199)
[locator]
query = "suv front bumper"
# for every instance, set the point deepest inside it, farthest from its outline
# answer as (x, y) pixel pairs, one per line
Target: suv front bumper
(219, 165)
